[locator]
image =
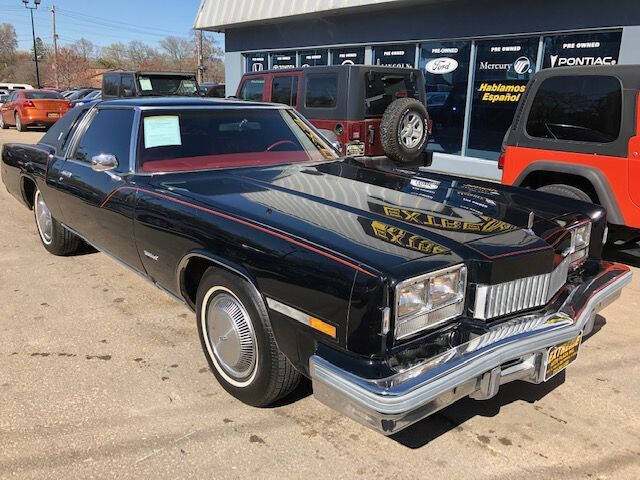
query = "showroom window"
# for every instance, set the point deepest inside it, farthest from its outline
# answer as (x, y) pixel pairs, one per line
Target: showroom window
(578, 49)
(347, 56)
(313, 58)
(283, 60)
(446, 70)
(253, 89)
(284, 89)
(502, 71)
(322, 91)
(256, 62)
(577, 108)
(395, 55)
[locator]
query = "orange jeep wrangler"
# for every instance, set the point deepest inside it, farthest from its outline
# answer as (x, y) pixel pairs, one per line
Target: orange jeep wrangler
(576, 133)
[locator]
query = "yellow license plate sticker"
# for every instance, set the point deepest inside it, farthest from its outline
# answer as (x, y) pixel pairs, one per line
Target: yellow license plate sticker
(561, 356)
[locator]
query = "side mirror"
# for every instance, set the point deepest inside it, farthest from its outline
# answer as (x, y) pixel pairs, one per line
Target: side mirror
(104, 162)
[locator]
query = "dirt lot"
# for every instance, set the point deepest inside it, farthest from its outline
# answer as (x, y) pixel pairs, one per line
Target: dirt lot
(102, 377)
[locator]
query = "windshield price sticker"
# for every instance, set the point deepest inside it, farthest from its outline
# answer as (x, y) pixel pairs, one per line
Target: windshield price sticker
(145, 83)
(161, 131)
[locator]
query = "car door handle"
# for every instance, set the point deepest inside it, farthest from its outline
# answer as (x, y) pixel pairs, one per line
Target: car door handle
(65, 174)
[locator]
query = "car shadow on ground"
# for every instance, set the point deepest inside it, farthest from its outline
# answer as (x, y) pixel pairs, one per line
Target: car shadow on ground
(84, 249)
(455, 415)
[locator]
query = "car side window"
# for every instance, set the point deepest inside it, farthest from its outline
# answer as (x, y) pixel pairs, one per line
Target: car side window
(253, 89)
(584, 108)
(284, 89)
(109, 132)
(127, 87)
(111, 85)
(322, 91)
(70, 133)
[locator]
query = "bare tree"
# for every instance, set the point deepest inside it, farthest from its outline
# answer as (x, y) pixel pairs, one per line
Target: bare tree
(20, 70)
(80, 61)
(213, 60)
(8, 44)
(181, 53)
(73, 68)
(84, 47)
(113, 56)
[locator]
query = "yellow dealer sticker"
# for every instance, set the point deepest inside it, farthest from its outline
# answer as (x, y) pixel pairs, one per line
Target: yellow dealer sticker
(561, 356)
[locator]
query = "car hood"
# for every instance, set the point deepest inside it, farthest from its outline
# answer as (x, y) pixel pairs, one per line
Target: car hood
(382, 219)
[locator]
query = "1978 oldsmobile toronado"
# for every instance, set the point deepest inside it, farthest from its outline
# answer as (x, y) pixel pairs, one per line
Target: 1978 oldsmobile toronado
(397, 292)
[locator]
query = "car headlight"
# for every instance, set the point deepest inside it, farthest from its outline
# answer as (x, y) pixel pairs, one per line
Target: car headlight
(429, 300)
(580, 238)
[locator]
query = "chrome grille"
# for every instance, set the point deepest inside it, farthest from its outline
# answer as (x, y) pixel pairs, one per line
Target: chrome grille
(521, 294)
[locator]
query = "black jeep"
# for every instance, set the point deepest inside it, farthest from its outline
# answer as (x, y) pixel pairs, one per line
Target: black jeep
(121, 84)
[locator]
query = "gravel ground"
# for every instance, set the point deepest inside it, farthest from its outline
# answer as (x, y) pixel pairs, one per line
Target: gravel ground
(102, 377)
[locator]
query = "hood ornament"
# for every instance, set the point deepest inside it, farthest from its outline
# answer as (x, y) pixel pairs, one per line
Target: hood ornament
(532, 217)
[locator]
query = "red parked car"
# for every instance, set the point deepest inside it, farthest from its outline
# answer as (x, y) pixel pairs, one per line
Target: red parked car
(32, 107)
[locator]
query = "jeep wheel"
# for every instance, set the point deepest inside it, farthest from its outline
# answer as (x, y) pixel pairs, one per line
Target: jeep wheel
(238, 342)
(566, 191)
(57, 239)
(403, 130)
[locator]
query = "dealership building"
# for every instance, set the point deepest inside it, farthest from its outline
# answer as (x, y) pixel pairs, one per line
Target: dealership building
(477, 55)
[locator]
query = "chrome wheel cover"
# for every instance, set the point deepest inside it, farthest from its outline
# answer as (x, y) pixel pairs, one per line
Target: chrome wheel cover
(412, 130)
(230, 336)
(18, 122)
(43, 219)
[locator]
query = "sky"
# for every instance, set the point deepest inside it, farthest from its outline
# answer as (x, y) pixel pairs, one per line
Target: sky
(103, 21)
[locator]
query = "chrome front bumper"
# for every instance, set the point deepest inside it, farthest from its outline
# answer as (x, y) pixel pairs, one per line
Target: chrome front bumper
(514, 350)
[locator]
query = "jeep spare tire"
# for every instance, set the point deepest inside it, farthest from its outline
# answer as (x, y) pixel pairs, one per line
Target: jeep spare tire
(403, 130)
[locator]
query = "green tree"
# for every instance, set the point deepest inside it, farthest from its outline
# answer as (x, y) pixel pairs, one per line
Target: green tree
(41, 48)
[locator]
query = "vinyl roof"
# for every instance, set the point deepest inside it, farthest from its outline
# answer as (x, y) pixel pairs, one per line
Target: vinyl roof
(219, 15)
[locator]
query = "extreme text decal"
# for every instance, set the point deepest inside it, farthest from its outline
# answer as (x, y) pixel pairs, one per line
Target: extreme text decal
(485, 225)
(402, 238)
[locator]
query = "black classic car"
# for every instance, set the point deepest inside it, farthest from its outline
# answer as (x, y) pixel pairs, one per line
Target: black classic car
(396, 291)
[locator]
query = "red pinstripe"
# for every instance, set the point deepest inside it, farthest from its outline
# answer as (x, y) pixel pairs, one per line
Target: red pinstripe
(243, 222)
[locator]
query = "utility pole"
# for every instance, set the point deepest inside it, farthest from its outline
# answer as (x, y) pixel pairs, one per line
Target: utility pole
(55, 45)
(200, 60)
(33, 34)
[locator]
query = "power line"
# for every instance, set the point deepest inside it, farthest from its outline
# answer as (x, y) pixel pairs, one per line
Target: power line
(117, 22)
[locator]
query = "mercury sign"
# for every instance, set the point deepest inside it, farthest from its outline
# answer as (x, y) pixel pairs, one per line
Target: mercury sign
(441, 66)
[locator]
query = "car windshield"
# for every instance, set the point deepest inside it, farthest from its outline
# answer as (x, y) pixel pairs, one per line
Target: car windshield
(383, 88)
(163, 85)
(222, 138)
(42, 95)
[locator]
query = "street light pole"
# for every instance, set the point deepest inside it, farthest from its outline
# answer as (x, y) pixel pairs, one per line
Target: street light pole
(33, 34)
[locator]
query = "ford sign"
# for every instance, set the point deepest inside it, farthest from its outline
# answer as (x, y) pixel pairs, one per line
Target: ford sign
(440, 66)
